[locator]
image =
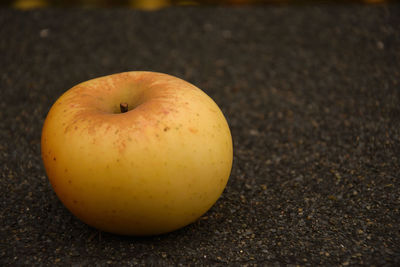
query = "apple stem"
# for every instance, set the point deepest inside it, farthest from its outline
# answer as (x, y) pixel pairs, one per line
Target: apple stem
(123, 107)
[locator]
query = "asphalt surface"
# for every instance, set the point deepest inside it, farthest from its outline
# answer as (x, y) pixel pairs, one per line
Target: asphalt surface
(311, 94)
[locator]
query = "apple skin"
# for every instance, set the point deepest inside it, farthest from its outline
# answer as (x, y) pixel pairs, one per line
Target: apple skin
(151, 170)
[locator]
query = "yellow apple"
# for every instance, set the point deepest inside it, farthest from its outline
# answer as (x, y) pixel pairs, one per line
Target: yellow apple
(137, 153)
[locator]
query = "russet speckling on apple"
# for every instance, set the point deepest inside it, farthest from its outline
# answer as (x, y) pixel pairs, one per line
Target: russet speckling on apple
(137, 153)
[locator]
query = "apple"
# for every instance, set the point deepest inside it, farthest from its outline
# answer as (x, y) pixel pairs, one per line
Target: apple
(137, 153)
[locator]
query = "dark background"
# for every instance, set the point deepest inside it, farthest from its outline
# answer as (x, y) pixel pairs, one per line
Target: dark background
(311, 94)
(156, 4)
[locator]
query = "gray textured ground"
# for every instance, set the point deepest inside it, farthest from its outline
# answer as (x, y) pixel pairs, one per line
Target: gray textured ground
(312, 98)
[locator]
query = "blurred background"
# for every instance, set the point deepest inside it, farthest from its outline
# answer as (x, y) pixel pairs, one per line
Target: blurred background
(156, 4)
